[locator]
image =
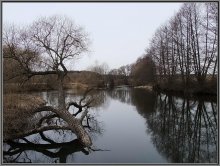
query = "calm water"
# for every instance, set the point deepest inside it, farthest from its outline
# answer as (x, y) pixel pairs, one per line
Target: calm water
(130, 126)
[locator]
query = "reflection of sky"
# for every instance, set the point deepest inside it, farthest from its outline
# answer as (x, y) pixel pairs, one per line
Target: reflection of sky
(128, 133)
(125, 136)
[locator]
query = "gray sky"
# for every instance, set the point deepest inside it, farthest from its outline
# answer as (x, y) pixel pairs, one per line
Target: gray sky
(119, 32)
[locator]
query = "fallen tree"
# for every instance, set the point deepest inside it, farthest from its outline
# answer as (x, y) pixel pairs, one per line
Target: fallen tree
(73, 122)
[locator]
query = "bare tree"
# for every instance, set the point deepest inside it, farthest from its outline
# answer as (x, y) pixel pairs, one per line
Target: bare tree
(61, 40)
(102, 68)
(142, 71)
(186, 46)
(54, 40)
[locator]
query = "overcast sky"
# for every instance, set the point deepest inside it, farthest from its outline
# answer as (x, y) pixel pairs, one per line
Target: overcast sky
(119, 32)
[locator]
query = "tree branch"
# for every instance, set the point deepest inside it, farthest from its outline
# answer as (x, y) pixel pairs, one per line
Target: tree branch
(36, 130)
(46, 118)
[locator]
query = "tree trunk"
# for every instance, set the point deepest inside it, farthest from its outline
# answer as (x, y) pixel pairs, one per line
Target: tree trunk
(61, 94)
(75, 126)
(73, 123)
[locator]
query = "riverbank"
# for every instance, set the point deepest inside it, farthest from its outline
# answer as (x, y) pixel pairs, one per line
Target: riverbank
(145, 87)
(16, 87)
(18, 110)
(36, 87)
(208, 87)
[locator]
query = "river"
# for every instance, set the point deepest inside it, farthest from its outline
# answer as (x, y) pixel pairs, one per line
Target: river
(131, 126)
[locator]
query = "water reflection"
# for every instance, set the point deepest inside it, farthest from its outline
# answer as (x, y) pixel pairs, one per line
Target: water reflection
(60, 155)
(121, 94)
(25, 147)
(49, 147)
(51, 97)
(183, 130)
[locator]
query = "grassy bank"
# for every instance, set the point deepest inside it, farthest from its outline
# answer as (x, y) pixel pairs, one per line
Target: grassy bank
(18, 113)
(16, 87)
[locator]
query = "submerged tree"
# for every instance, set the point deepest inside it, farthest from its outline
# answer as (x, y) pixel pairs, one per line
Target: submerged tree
(53, 41)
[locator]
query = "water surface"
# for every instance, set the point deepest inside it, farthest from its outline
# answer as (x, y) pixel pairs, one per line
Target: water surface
(130, 126)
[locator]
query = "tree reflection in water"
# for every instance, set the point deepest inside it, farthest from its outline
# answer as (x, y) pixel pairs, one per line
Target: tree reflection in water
(19, 150)
(24, 150)
(183, 130)
(121, 94)
(46, 146)
(63, 150)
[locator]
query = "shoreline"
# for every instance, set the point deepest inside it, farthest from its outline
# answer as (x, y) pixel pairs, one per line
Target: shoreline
(191, 91)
